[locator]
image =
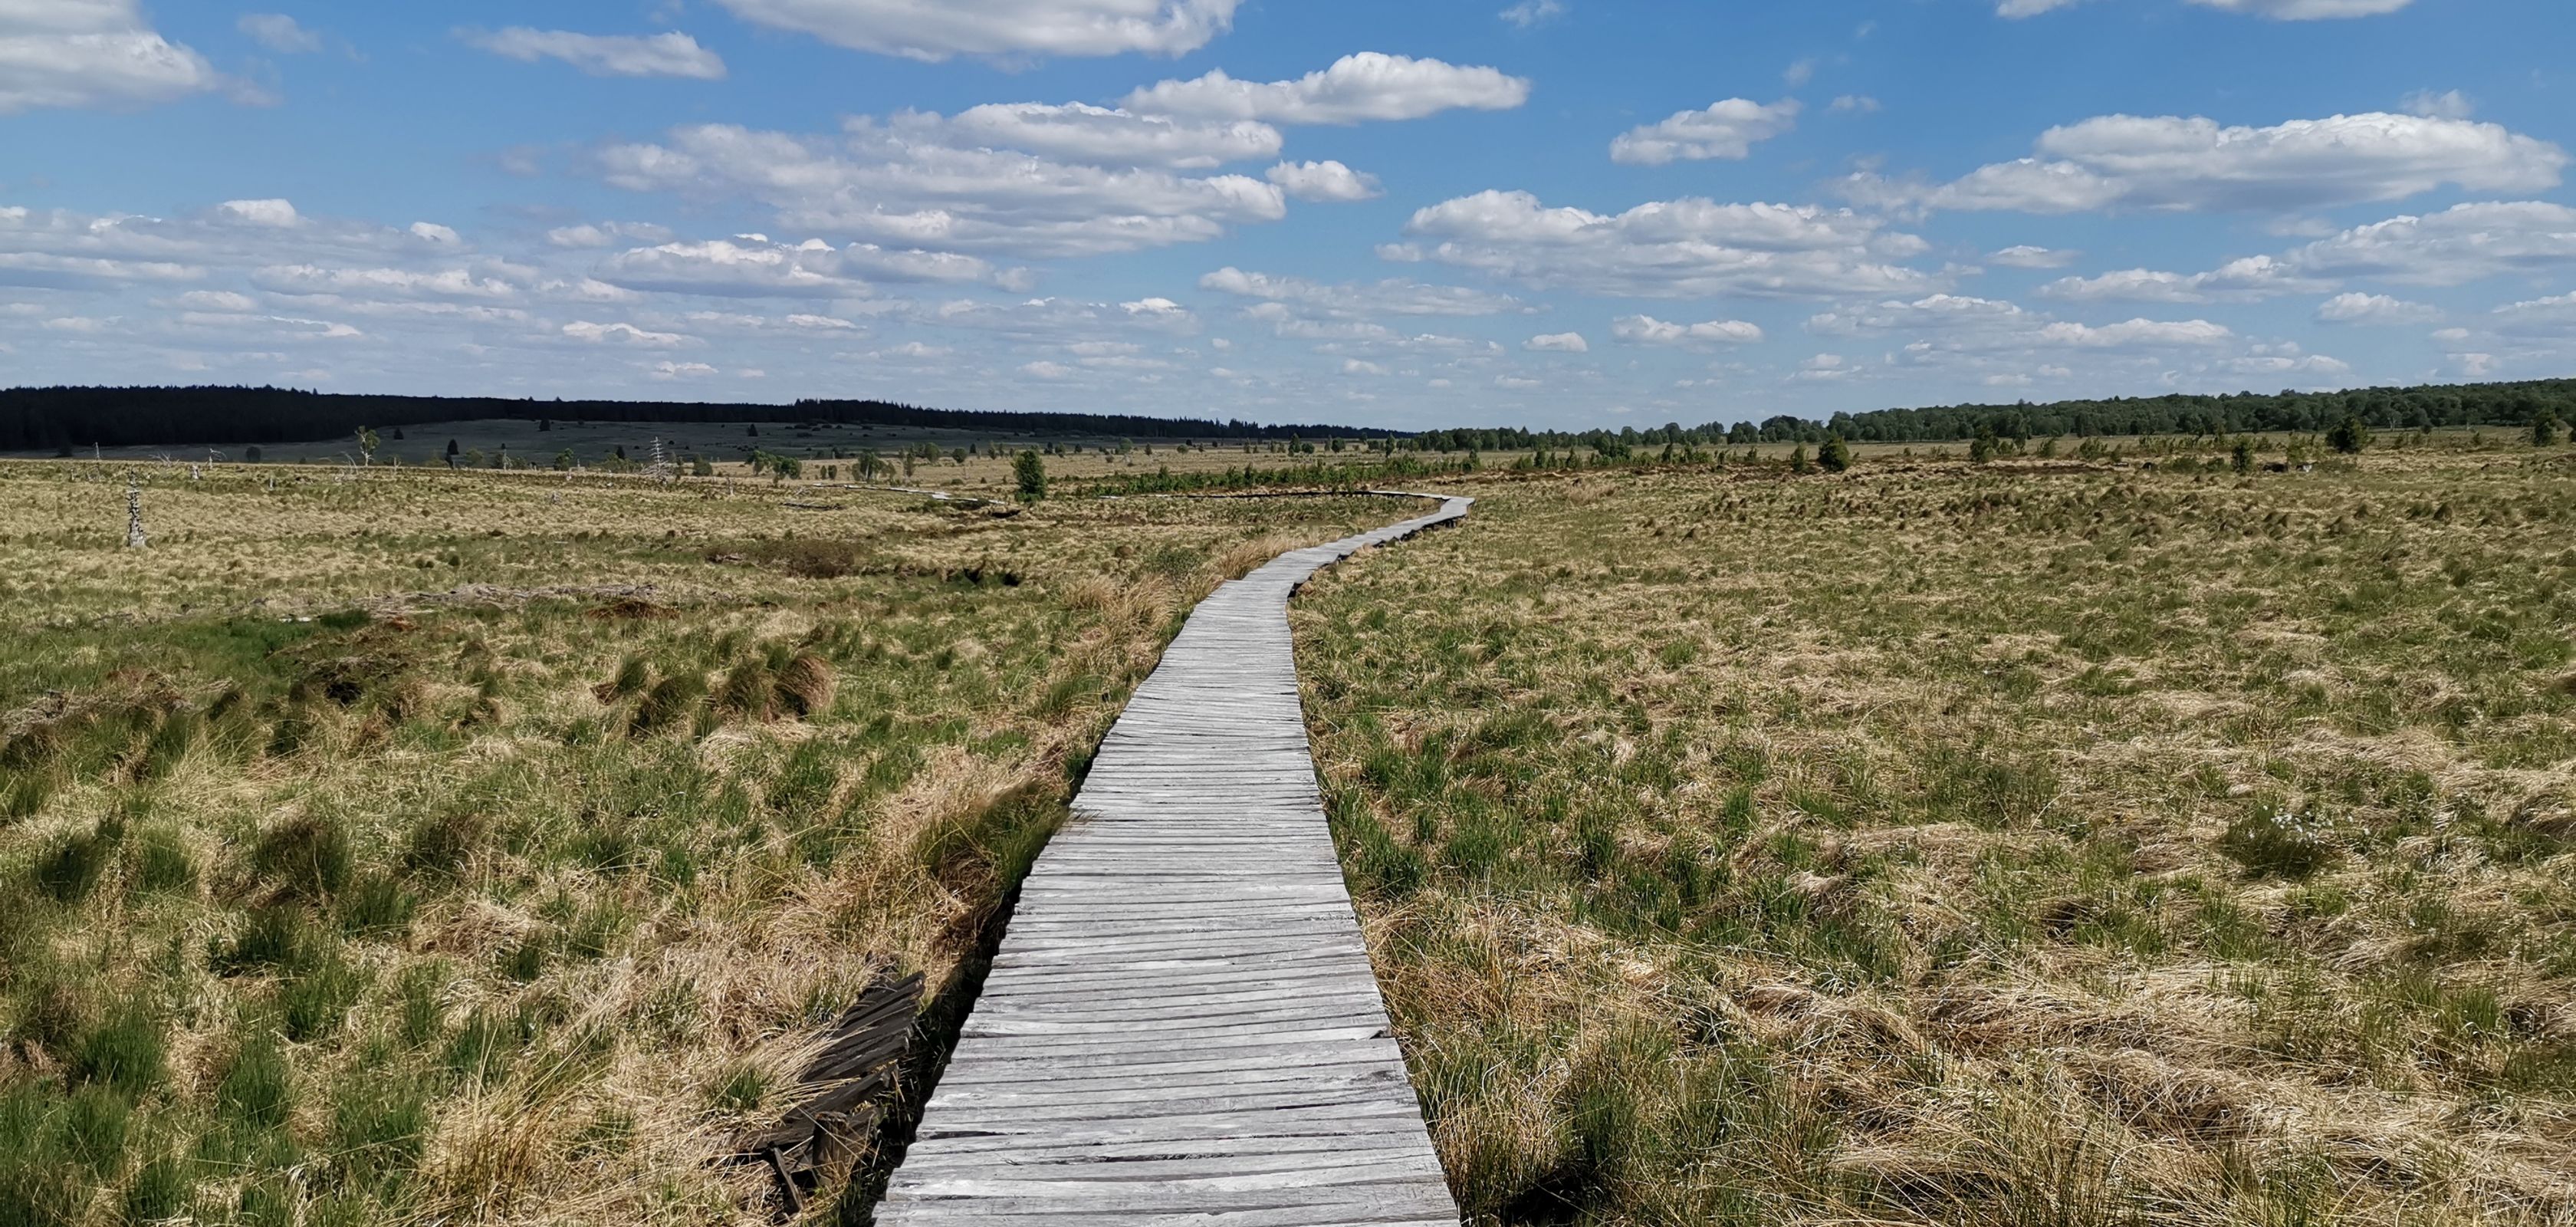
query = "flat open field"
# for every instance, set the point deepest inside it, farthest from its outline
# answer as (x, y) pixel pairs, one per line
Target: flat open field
(433, 847)
(2032, 843)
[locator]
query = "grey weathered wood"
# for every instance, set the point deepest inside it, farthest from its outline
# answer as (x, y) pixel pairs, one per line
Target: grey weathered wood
(1181, 1026)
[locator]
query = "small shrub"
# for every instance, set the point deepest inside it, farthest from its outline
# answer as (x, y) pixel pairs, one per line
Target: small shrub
(742, 1089)
(258, 1090)
(314, 1002)
(1834, 455)
(805, 686)
(669, 702)
(24, 793)
(73, 869)
(1028, 469)
(159, 1193)
(274, 939)
(127, 1052)
(442, 843)
(633, 675)
(94, 1128)
(306, 857)
(2269, 843)
(2349, 436)
(377, 904)
(747, 692)
(162, 862)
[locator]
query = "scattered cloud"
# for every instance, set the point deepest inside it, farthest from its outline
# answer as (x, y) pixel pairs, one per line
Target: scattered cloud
(1668, 249)
(1726, 129)
(884, 183)
(629, 334)
(1647, 330)
(1557, 343)
(1530, 13)
(2196, 165)
(1854, 104)
(2449, 104)
(1394, 296)
(604, 55)
(2306, 10)
(2277, 10)
(2358, 308)
(1323, 181)
(2457, 245)
(919, 30)
(279, 33)
(1104, 136)
(2027, 256)
(2245, 280)
(92, 54)
(1799, 72)
(1368, 86)
(608, 234)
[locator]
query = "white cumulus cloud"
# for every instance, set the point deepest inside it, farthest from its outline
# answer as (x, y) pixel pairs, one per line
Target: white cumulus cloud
(1357, 88)
(1529, 13)
(604, 55)
(1101, 135)
(2359, 308)
(279, 33)
(1394, 296)
(1647, 330)
(1557, 343)
(2173, 163)
(91, 53)
(2254, 277)
(883, 183)
(1323, 181)
(935, 30)
(1726, 129)
(1687, 248)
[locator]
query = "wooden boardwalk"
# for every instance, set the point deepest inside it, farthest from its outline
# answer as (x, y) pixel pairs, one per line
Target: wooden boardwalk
(1181, 1026)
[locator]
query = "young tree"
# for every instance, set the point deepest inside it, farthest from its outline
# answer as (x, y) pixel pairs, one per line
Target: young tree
(2243, 454)
(1833, 455)
(1982, 448)
(451, 449)
(2349, 435)
(2544, 428)
(1798, 459)
(1030, 469)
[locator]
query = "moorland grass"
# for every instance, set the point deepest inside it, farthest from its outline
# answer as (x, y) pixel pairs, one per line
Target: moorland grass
(2035, 842)
(410, 847)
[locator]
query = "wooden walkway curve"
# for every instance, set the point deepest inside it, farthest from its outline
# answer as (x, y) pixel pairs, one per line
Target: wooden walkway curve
(1181, 1026)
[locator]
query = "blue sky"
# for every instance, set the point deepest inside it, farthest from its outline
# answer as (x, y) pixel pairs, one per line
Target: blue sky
(1542, 212)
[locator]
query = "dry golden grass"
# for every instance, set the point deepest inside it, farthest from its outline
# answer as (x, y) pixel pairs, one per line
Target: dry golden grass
(436, 847)
(2039, 842)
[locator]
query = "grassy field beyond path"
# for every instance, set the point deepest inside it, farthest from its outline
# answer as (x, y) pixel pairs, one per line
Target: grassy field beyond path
(1955, 844)
(469, 848)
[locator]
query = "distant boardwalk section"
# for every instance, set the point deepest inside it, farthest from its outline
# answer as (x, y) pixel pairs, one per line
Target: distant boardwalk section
(1181, 1026)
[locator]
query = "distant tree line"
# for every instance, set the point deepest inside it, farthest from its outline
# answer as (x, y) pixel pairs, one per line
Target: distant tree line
(56, 418)
(2416, 408)
(69, 418)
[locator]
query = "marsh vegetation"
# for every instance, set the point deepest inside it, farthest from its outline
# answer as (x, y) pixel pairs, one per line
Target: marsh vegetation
(2027, 842)
(428, 847)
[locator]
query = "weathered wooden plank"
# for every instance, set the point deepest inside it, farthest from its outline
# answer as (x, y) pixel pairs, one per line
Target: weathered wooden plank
(1181, 1026)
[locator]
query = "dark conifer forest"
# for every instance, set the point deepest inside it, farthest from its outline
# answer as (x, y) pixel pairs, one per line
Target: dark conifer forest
(33, 419)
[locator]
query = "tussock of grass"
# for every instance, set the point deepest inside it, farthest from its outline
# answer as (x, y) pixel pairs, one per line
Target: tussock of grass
(2031, 843)
(339, 889)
